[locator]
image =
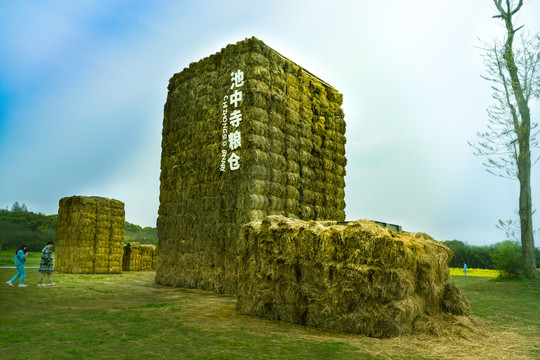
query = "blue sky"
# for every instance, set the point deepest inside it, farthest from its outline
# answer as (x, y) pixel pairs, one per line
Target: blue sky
(83, 85)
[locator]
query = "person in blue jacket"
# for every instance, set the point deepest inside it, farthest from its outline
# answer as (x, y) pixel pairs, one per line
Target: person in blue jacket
(20, 258)
(465, 269)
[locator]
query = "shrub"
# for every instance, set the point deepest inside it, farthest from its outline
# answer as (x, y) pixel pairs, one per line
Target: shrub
(507, 259)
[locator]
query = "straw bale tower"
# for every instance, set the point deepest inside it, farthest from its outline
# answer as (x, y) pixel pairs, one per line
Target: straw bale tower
(139, 257)
(246, 133)
(89, 235)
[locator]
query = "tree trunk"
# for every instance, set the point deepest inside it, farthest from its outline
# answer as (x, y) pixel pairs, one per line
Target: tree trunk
(523, 132)
(525, 214)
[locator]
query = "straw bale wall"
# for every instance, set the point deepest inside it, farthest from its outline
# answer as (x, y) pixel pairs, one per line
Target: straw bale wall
(359, 278)
(139, 257)
(89, 235)
(288, 158)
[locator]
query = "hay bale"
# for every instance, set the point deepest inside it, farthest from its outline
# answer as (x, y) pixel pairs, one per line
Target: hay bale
(291, 159)
(89, 235)
(139, 257)
(359, 278)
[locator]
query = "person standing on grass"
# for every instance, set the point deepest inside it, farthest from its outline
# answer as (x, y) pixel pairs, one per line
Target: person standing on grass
(465, 269)
(20, 258)
(46, 265)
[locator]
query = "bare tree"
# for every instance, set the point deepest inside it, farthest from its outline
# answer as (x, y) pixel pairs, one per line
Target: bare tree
(512, 228)
(514, 71)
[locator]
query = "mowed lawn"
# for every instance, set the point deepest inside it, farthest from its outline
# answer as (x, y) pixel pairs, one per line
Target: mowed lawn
(127, 316)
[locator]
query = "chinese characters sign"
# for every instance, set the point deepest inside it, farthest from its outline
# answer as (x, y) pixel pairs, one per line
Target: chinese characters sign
(231, 136)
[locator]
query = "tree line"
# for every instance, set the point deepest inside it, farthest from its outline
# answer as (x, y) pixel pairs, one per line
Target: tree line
(19, 226)
(143, 235)
(505, 256)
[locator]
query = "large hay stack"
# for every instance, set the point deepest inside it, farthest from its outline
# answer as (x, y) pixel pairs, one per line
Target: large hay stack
(358, 278)
(139, 257)
(246, 133)
(89, 235)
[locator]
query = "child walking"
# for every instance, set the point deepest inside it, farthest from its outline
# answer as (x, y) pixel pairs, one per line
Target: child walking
(20, 258)
(46, 265)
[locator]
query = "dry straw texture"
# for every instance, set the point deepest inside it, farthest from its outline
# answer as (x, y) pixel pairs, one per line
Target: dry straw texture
(359, 278)
(89, 235)
(139, 257)
(292, 160)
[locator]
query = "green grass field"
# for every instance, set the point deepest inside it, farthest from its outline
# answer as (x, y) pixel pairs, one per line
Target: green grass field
(127, 316)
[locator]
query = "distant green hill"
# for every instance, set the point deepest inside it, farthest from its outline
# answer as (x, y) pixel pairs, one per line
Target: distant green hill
(146, 235)
(19, 226)
(24, 227)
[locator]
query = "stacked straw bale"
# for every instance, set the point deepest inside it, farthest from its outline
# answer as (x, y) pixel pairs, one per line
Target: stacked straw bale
(89, 235)
(292, 159)
(359, 278)
(139, 257)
